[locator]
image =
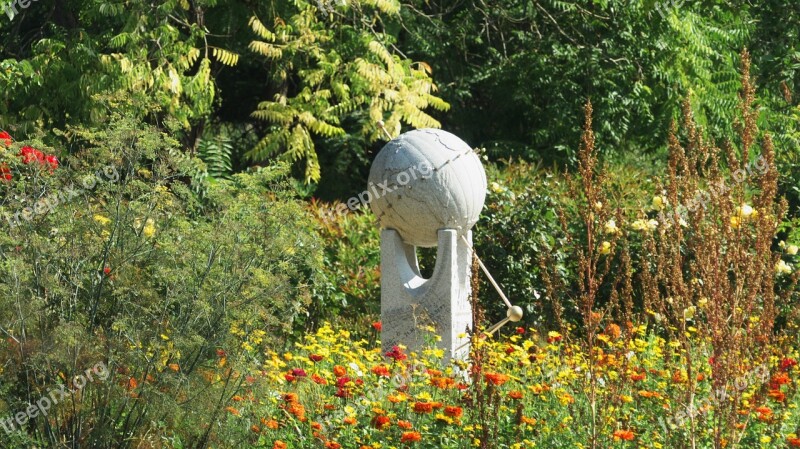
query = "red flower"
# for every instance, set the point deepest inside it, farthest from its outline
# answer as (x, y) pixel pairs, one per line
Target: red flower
(380, 421)
(28, 154)
(5, 173)
(453, 411)
(52, 161)
(315, 358)
(377, 326)
(6, 138)
(299, 372)
(396, 353)
(521, 330)
(793, 442)
(787, 363)
(107, 270)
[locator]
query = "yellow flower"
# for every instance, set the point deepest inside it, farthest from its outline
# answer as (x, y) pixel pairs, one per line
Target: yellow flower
(101, 219)
(496, 187)
(735, 222)
(659, 202)
(149, 228)
(644, 225)
(605, 248)
(791, 250)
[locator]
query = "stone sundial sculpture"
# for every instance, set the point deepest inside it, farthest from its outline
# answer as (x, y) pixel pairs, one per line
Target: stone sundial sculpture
(430, 189)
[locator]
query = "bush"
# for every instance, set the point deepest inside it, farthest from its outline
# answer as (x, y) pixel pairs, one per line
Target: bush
(177, 294)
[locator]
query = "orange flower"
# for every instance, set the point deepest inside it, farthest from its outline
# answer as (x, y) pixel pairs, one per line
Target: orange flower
(779, 379)
(350, 421)
(453, 411)
(298, 411)
(636, 377)
(290, 397)
(764, 413)
(316, 426)
(232, 411)
(515, 394)
(315, 358)
(237, 398)
(423, 407)
(332, 445)
(496, 378)
(381, 370)
(793, 442)
(271, 424)
(279, 445)
(613, 331)
(174, 367)
(339, 371)
(626, 435)
(318, 379)
(410, 437)
(777, 395)
(526, 420)
(255, 428)
(442, 382)
(404, 424)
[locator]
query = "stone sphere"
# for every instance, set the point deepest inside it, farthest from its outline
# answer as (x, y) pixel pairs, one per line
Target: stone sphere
(425, 180)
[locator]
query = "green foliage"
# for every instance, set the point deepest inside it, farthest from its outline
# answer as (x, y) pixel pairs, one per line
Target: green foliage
(336, 73)
(348, 290)
(178, 294)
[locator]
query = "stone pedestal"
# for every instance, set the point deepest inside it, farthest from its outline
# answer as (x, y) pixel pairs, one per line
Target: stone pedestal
(409, 302)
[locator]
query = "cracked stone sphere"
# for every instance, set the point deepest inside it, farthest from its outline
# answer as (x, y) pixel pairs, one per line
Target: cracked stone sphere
(426, 180)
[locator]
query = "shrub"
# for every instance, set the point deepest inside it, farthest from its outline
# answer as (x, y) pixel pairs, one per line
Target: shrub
(177, 294)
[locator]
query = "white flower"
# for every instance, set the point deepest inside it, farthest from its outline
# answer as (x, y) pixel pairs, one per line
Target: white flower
(645, 225)
(745, 211)
(791, 250)
(782, 267)
(611, 227)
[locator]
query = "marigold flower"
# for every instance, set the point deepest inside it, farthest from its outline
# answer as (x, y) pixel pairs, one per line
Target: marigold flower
(515, 394)
(613, 331)
(526, 420)
(553, 337)
(777, 395)
(404, 424)
(377, 326)
(279, 445)
(410, 437)
(496, 378)
(290, 397)
(787, 363)
(381, 370)
(637, 377)
(339, 371)
(423, 407)
(793, 441)
(315, 358)
(779, 379)
(626, 435)
(381, 421)
(318, 379)
(396, 353)
(442, 382)
(232, 411)
(255, 429)
(332, 445)
(299, 372)
(271, 424)
(453, 411)
(316, 426)
(349, 420)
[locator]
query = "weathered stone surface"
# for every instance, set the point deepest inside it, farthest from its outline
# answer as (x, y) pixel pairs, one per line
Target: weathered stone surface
(409, 302)
(426, 180)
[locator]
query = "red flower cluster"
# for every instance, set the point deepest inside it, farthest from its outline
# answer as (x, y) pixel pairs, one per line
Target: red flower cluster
(30, 155)
(5, 138)
(788, 363)
(396, 353)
